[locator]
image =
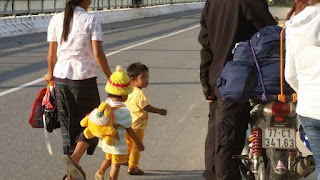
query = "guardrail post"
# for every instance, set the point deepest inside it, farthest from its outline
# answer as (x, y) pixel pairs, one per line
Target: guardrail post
(28, 6)
(13, 8)
(42, 6)
(55, 6)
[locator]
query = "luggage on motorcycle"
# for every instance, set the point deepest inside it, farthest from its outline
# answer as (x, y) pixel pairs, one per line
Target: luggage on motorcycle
(271, 78)
(236, 81)
(254, 69)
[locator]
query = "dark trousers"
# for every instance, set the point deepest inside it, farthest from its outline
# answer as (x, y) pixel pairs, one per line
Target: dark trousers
(75, 99)
(226, 136)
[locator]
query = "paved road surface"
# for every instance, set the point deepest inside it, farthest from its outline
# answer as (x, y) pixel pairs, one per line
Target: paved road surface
(174, 144)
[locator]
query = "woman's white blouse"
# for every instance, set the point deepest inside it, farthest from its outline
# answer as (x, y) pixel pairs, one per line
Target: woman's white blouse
(75, 58)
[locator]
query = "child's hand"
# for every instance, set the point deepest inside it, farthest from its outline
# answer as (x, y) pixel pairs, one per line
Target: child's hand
(163, 112)
(140, 146)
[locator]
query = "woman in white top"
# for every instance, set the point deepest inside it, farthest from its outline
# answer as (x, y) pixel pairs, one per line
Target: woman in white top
(302, 71)
(75, 39)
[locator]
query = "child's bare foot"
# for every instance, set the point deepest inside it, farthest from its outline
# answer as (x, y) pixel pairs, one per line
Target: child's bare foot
(99, 175)
(135, 171)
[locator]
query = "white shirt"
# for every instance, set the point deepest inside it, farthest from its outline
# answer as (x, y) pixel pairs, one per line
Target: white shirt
(302, 68)
(75, 58)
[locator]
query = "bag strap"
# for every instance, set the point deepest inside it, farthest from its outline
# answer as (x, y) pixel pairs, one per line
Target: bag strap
(114, 119)
(281, 96)
(264, 95)
(112, 112)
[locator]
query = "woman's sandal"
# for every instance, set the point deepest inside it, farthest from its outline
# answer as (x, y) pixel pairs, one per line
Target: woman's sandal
(135, 171)
(76, 171)
(99, 175)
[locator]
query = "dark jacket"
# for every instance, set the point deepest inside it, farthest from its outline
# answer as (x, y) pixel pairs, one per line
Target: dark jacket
(223, 24)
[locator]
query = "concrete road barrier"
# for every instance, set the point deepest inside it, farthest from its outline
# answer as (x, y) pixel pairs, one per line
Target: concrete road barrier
(15, 26)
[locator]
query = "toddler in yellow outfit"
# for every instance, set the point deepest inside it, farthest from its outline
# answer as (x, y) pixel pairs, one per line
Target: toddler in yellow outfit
(118, 88)
(139, 107)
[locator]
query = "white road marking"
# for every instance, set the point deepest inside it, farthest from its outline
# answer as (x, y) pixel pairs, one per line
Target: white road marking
(21, 87)
(109, 54)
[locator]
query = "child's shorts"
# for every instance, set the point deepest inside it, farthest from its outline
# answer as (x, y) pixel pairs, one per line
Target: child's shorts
(117, 158)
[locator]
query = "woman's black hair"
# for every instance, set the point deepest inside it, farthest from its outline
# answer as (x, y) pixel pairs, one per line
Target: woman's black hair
(135, 69)
(68, 15)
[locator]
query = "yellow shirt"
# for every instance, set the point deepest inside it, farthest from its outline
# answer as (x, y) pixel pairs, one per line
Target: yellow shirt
(136, 101)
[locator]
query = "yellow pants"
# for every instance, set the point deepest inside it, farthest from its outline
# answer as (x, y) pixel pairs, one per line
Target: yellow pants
(117, 158)
(133, 149)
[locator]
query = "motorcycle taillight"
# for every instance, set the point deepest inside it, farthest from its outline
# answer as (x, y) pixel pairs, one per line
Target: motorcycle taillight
(279, 109)
(280, 119)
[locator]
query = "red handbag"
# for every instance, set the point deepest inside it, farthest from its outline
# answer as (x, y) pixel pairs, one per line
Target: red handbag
(36, 111)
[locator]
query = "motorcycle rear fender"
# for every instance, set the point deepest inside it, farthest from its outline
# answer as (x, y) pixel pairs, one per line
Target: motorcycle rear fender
(276, 155)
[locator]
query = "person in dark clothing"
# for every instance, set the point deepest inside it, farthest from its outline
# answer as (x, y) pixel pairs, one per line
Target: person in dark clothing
(223, 24)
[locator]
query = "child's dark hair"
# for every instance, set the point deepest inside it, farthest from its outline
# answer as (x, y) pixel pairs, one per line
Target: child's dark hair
(135, 69)
(113, 96)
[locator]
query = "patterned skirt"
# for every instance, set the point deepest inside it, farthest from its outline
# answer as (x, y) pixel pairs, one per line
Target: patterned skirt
(75, 99)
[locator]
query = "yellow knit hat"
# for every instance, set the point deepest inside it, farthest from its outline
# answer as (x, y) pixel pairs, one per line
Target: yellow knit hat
(119, 83)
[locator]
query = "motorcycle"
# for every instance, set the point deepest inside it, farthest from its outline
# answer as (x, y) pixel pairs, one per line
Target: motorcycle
(276, 146)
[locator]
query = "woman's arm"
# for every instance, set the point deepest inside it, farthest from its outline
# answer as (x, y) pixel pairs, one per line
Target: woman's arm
(52, 59)
(101, 57)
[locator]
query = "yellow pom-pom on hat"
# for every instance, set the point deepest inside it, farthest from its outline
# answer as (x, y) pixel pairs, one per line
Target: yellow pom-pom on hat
(119, 83)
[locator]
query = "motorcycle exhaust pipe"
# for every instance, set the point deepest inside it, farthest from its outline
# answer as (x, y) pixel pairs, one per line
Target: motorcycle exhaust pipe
(303, 168)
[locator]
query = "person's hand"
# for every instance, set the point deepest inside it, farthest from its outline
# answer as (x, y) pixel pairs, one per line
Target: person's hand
(208, 93)
(210, 99)
(140, 146)
(163, 112)
(48, 77)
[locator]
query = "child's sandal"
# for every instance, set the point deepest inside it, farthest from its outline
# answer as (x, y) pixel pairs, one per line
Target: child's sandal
(99, 175)
(135, 171)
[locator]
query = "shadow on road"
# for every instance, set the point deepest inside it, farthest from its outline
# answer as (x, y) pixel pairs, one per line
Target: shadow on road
(174, 174)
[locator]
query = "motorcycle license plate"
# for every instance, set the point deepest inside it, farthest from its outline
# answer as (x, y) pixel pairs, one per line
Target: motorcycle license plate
(279, 138)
